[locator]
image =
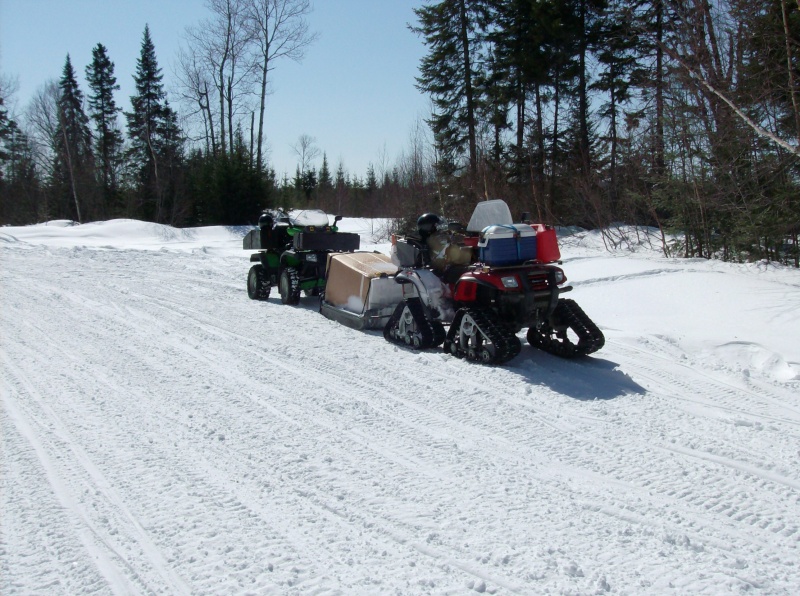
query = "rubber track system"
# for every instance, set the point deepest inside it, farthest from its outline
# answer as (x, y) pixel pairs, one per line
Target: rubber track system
(426, 334)
(568, 315)
(504, 345)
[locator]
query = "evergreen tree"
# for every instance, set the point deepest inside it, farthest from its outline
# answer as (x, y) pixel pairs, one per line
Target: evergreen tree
(342, 190)
(309, 183)
(170, 149)
(22, 200)
(156, 148)
(451, 30)
(356, 197)
(325, 184)
(103, 111)
(371, 191)
(616, 53)
(7, 130)
(588, 15)
(7, 127)
(297, 183)
(74, 161)
(523, 35)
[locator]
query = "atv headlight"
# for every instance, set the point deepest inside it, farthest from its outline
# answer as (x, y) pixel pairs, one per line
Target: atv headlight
(559, 276)
(311, 258)
(510, 281)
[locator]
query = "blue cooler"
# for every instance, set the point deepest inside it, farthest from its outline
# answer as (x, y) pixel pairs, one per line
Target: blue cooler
(510, 244)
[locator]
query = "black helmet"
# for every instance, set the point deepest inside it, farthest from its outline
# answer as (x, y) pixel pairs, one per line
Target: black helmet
(265, 221)
(428, 224)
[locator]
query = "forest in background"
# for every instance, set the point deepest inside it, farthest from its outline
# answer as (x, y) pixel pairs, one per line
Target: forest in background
(682, 115)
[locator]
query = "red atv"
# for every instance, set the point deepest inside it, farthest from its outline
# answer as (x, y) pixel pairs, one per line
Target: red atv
(487, 284)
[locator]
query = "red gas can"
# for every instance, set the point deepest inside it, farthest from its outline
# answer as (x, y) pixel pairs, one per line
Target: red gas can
(546, 244)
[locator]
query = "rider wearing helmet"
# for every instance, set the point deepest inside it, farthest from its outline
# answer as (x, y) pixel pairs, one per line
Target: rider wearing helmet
(438, 248)
(266, 220)
(444, 247)
(428, 224)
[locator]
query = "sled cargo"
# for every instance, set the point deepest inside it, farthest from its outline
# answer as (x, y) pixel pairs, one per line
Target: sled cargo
(360, 290)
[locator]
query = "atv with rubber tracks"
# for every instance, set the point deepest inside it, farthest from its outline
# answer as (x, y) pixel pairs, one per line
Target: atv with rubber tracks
(513, 282)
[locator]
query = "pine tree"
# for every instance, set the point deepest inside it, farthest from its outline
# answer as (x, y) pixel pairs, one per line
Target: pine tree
(342, 190)
(523, 36)
(297, 183)
(616, 53)
(371, 191)
(451, 30)
(21, 198)
(309, 183)
(170, 149)
(155, 139)
(74, 161)
(325, 184)
(103, 110)
(7, 127)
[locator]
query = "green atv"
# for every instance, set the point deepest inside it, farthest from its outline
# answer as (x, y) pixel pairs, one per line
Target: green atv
(292, 253)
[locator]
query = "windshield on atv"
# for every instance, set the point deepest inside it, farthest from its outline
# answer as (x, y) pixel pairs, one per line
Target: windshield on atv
(489, 213)
(309, 217)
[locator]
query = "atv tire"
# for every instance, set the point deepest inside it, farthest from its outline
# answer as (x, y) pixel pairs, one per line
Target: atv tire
(258, 286)
(289, 286)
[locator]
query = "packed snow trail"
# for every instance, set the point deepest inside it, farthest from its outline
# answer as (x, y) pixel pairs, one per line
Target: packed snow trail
(162, 433)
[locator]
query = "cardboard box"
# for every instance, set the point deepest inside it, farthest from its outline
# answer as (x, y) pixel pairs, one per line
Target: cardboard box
(510, 244)
(362, 281)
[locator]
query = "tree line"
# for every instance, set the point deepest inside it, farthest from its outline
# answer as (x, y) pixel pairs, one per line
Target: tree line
(678, 114)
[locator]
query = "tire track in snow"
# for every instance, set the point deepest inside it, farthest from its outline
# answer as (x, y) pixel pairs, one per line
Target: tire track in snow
(65, 351)
(38, 557)
(320, 438)
(360, 445)
(424, 422)
(645, 466)
(703, 384)
(218, 372)
(109, 557)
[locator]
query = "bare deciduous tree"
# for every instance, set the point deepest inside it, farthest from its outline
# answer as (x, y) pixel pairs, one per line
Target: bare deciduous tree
(278, 29)
(41, 118)
(219, 47)
(306, 151)
(195, 94)
(708, 47)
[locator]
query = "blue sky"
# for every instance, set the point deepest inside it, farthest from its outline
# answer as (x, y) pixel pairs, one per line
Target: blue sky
(354, 91)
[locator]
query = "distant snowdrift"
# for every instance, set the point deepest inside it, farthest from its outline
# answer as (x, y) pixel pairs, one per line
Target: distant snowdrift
(140, 235)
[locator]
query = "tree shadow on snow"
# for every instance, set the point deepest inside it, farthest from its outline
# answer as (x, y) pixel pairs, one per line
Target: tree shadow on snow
(585, 378)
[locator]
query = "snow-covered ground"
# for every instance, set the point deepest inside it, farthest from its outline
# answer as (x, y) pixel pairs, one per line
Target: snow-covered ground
(164, 434)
